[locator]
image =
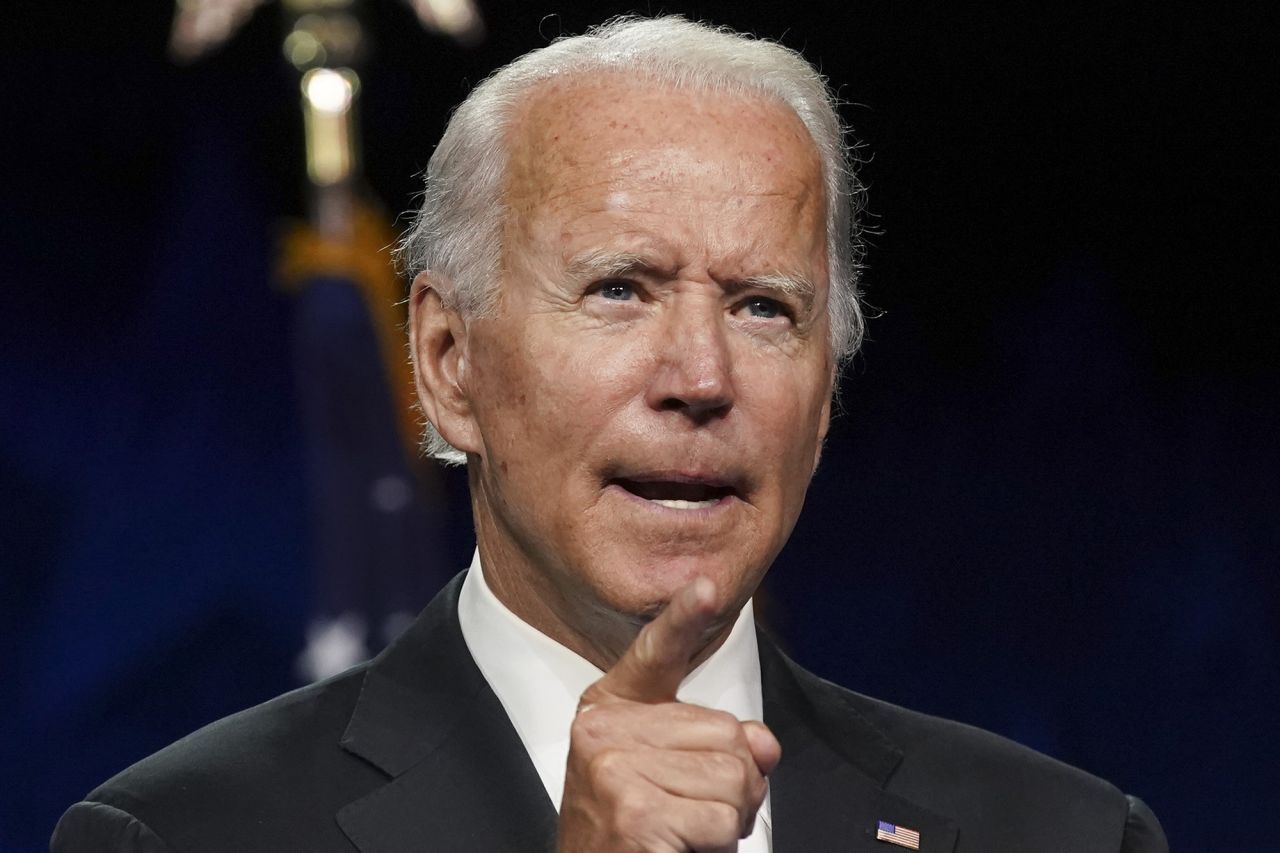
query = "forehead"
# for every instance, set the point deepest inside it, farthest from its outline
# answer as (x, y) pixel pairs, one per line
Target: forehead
(583, 133)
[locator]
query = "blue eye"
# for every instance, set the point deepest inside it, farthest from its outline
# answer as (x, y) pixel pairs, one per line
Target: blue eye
(619, 291)
(763, 307)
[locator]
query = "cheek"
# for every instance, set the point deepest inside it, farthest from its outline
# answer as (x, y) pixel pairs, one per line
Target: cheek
(503, 397)
(544, 399)
(578, 363)
(793, 428)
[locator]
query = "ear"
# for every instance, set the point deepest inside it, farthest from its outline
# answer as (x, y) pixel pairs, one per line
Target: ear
(438, 342)
(824, 421)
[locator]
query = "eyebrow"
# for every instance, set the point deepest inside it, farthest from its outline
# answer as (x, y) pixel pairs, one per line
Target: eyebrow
(791, 285)
(603, 263)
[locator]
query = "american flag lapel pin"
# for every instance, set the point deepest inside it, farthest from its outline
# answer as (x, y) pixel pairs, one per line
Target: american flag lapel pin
(898, 835)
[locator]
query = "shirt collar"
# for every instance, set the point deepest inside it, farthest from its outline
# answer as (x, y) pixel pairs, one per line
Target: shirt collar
(539, 681)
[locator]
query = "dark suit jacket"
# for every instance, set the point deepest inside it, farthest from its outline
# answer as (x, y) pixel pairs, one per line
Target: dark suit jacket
(414, 752)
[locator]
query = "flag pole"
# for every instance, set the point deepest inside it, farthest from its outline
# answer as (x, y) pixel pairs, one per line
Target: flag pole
(376, 510)
(324, 44)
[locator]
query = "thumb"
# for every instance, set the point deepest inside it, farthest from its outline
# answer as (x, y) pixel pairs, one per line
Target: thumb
(764, 747)
(655, 663)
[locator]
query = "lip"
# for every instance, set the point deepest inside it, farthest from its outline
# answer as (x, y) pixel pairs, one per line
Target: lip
(716, 481)
(725, 485)
(722, 504)
(718, 478)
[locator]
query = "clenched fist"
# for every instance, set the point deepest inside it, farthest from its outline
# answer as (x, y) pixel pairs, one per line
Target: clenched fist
(648, 773)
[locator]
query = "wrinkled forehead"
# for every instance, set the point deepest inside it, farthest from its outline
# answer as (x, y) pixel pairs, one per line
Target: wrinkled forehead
(577, 129)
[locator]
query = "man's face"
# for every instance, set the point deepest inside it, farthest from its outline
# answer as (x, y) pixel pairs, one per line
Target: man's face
(648, 402)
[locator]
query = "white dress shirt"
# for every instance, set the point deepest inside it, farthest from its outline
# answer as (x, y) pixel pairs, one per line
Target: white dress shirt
(539, 683)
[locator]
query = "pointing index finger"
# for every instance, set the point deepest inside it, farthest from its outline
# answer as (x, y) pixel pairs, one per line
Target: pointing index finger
(657, 660)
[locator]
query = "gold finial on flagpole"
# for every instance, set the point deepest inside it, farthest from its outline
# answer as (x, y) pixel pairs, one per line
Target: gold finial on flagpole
(202, 26)
(324, 43)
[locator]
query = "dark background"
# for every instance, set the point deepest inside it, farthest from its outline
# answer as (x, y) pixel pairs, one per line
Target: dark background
(1049, 507)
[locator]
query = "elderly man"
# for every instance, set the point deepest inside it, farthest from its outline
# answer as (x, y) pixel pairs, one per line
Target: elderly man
(634, 283)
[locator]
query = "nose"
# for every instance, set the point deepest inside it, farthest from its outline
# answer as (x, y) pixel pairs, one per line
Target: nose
(694, 373)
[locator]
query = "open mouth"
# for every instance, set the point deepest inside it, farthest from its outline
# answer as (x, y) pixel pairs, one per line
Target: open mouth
(676, 494)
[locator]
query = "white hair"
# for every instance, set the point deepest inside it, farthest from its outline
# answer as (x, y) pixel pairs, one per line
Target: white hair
(458, 232)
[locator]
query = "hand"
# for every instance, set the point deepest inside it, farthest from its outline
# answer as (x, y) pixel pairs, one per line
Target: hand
(648, 773)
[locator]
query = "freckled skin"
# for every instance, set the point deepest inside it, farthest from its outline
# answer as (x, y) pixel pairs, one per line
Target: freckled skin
(567, 385)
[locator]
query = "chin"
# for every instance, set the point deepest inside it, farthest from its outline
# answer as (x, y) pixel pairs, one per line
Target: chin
(643, 591)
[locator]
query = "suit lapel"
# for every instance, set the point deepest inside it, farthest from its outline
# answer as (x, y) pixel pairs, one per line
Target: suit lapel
(827, 793)
(460, 776)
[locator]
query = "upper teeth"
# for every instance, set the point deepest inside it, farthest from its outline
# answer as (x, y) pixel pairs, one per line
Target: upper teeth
(677, 504)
